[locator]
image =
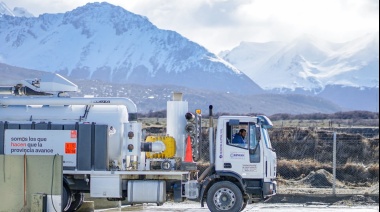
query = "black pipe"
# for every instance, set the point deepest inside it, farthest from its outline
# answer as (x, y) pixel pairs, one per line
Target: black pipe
(146, 146)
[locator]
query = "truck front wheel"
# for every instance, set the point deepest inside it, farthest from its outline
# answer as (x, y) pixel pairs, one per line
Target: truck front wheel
(77, 201)
(66, 197)
(224, 196)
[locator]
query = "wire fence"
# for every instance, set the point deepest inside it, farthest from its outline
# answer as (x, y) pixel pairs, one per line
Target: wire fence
(326, 160)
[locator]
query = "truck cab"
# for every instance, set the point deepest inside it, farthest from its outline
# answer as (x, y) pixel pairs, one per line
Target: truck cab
(249, 166)
(255, 159)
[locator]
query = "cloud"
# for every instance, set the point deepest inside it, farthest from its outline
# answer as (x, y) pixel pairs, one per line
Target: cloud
(219, 13)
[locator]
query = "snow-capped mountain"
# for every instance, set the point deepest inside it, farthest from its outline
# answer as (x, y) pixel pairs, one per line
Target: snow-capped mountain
(17, 11)
(308, 63)
(103, 41)
(345, 73)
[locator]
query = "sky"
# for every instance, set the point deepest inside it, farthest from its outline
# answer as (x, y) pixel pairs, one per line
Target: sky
(223, 24)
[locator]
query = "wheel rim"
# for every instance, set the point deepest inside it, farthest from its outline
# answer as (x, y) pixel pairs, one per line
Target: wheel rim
(224, 199)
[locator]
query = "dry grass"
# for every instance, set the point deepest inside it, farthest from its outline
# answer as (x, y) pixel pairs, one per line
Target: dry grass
(355, 173)
(351, 173)
(297, 169)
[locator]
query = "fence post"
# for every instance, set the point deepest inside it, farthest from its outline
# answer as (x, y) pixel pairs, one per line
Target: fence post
(334, 163)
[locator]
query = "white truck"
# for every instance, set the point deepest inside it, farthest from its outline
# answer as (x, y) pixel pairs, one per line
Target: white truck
(107, 154)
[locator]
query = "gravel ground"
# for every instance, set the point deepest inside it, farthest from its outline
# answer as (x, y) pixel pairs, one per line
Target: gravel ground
(283, 202)
(266, 207)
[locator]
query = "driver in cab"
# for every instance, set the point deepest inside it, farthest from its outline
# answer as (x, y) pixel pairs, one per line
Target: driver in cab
(239, 137)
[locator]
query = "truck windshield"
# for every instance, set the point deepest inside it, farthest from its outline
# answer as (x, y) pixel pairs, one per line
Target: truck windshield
(266, 138)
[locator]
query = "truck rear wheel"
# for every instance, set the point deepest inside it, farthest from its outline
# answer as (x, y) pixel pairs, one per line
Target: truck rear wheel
(224, 196)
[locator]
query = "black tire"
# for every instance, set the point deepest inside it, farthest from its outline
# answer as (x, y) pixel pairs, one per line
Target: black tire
(66, 197)
(245, 202)
(77, 201)
(224, 196)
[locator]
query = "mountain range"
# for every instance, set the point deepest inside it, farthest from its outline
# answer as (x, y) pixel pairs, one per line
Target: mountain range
(100, 43)
(150, 98)
(103, 41)
(309, 63)
(345, 73)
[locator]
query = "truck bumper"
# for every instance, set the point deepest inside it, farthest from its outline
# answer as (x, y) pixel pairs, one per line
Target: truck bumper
(269, 189)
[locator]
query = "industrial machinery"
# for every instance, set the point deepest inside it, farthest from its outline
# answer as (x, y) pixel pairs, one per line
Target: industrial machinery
(107, 154)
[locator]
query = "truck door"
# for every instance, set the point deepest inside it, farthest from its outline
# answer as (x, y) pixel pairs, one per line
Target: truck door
(242, 158)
